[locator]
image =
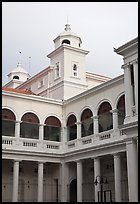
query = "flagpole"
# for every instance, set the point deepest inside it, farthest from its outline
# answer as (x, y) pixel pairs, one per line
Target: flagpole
(20, 58)
(29, 64)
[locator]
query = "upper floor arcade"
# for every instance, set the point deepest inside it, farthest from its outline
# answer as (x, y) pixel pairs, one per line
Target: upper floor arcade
(53, 133)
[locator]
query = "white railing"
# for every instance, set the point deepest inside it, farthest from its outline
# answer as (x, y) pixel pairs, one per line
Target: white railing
(56, 147)
(30, 144)
(93, 140)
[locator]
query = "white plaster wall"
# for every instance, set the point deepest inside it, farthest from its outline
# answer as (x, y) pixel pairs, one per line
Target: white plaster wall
(74, 56)
(71, 90)
(91, 82)
(109, 93)
(41, 108)
(58, 57)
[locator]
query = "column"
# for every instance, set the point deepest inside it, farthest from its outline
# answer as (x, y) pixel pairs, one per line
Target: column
(17, 129)
(117, 175)
(96, 125)
(128, 90)
(132, 170)
(97, 172)
(40, 182)
(79, 181)
(78, 130)
(135, 64)
(63, 135)
(15, 180)
(115, 118)
(41, 131)
(64, 181)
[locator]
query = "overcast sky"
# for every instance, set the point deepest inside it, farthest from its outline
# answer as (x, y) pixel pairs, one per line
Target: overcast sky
(31, 27)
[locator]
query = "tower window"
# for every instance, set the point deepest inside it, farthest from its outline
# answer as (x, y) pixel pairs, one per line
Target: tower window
(57, 70)
(66, 41)
(15, 77)
(40, 84)
(75, 70)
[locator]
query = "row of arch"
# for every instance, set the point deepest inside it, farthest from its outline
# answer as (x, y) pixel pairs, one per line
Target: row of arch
(29, 128)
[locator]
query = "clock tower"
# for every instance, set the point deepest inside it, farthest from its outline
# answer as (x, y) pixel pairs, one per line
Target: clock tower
(68, 65)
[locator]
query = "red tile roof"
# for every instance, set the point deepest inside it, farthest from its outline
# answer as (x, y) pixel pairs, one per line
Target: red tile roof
(22, 91)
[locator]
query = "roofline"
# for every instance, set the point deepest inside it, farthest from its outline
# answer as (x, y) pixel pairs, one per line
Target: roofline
(94, 89)
(97, 75)
(35, 76)
(67, 47)
(32, 97)
(125, 46)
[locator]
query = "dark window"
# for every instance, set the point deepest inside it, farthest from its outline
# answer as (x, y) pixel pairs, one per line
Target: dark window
(121, 110)
(71, 128)
(105, 117)
(66, 41)
(132, 82)
(15, 77)
(52, 130)
(29, 126)
(8, 120)
(86, 123)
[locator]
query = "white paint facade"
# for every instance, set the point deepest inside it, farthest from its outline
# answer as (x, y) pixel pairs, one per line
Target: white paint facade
(96, 141)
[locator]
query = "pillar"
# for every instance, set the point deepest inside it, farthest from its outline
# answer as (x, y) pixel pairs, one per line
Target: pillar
(64, 181)
(63, 135)
(135, 65)
(41, 131)
(115, 118)
(96, 125)
(128, 91)
(17, 129)
(79, 181)
(117, 175)
(97, 172)
(40, 182)
(78, 130)
(15, 180)
(132, 170)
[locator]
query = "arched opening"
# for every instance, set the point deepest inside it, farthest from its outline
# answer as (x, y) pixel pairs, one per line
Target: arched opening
(66, 41)
(105, 117)
(52, 130)
(71, 128)
(30, 126)
(8, 122)
(15, 77)
(86, 123)
(73, 190)
(121, 110)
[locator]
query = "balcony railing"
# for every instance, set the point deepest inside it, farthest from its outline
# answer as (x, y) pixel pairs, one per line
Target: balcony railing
(27, 144)
(45, 146)
(94, 139)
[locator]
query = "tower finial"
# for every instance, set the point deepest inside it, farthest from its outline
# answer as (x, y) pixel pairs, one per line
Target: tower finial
(67, 28)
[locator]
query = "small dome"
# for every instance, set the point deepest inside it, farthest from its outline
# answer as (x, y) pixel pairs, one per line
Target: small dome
(19, 69)
(68, 31)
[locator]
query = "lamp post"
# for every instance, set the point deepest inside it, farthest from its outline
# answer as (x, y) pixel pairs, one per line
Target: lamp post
(102, 180)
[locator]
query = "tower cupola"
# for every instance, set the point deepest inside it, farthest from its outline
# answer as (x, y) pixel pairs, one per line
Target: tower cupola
(68, 37)
(17, 76)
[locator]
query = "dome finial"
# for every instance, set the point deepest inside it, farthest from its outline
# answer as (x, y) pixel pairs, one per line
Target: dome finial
(67, 28)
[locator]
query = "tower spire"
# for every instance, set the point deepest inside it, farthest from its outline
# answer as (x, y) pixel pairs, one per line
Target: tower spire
(67, 26)
(67, 20)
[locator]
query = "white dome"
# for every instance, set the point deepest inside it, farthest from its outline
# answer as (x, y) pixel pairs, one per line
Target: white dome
(67, 37)
(68, 31)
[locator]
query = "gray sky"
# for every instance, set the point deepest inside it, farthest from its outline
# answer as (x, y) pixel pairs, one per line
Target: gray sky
(31, 27)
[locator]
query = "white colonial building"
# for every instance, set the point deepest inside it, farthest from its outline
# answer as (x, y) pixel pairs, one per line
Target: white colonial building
(70, 135)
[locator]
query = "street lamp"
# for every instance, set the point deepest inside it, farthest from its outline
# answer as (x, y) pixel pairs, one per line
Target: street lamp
(102, 180)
